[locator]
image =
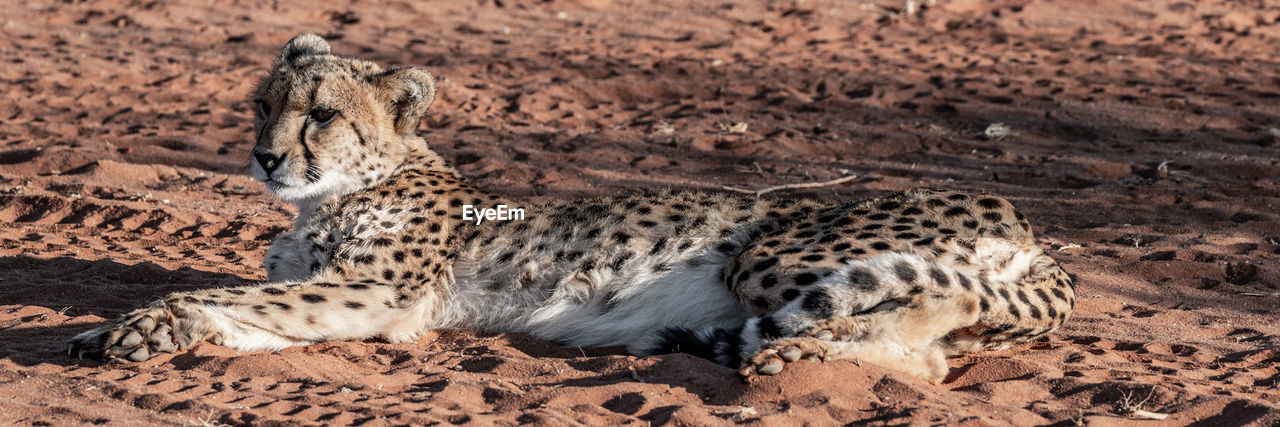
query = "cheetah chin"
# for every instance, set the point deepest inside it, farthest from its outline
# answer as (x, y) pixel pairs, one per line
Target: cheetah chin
(380, 249)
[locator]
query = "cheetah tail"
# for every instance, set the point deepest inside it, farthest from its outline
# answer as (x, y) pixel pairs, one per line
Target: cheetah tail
(722, 345)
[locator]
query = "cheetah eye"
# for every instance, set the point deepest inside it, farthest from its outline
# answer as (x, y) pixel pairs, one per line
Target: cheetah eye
(323, 115)
(264, 110)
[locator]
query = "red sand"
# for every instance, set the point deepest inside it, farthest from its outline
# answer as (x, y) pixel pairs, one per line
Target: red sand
(124, 139)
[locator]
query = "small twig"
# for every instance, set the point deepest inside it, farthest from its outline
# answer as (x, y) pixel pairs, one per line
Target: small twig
(1149, 415)
(739, 415)
(1260, 294)
(758, 170)
(799, 185)
(1127, 406)
(1187, 176)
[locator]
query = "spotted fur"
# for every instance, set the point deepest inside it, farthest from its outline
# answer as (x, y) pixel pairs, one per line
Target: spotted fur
(380, 249)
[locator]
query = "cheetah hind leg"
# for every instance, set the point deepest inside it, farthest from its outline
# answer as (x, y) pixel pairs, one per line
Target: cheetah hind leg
(906, 338)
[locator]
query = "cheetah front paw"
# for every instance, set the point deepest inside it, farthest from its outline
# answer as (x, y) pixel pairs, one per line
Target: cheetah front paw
(134, 338)
(775, 355)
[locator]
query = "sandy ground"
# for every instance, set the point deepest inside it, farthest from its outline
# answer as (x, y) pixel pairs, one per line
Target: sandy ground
(1136, 143)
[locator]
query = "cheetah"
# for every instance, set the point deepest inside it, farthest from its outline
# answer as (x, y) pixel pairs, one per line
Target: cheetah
(383, 246)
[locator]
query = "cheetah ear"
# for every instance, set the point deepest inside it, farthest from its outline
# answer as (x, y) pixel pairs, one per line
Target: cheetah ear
(407, 92)
(303, 45)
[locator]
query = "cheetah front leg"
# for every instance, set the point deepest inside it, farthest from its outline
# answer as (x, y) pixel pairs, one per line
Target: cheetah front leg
(292, 257)
(265, 317)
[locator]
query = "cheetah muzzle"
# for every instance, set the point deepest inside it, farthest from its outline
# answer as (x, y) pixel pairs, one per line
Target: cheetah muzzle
(380, 249)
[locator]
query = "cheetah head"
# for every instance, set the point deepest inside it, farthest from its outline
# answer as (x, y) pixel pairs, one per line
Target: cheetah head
(328, 125)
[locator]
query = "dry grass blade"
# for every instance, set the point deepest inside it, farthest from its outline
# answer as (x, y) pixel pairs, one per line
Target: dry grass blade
(795, 186)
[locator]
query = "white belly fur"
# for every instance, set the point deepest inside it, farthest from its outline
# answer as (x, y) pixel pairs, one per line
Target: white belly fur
(691, 297)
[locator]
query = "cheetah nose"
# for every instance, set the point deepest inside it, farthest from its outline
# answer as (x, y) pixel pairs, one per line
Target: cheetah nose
(268, 161)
